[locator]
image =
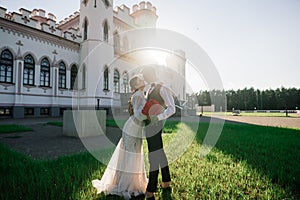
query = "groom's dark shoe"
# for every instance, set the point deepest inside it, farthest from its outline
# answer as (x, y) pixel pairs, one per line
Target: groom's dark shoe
(166, 189)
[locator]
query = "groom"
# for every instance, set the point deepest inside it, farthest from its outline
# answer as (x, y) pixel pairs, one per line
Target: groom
(157, 157)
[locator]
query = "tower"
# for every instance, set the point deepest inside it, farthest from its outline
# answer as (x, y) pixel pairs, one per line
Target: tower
(96, 25)
(144, 15)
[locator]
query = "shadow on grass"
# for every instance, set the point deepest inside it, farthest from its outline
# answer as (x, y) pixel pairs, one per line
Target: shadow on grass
(275, 152)
(63, 178)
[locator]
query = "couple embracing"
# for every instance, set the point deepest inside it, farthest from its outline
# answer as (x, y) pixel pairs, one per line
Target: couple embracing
(125, 173)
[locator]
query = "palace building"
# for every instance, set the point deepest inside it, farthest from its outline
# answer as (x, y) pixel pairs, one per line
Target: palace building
(45, 63)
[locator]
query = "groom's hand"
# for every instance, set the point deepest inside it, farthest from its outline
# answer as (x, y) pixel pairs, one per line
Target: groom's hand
(153, 118)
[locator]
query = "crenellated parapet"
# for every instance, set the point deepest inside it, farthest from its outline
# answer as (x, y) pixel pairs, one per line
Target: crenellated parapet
(144, 14)
(38, 19)
(141, 15)
(24, 17)
(70, 27)
(67, 20)
(2, 12)
(144, 6)
(122, 13)
(124, 18)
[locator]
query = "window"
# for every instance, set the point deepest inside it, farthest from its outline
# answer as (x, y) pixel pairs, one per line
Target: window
(6, 66)
(28, 72)
(85, 2)
(62, 75)
(5, 111)
(45, 111)
(85, 29)
(61, 111)
(45, 73)
(116, 42)
(28, 111)
(116, 81)
(105, 32)
(73, 77)
(83, 77)
(105, 76)
(106, 3)
(125, 82)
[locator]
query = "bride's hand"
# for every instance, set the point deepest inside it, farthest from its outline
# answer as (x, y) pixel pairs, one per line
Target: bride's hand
(153, 118)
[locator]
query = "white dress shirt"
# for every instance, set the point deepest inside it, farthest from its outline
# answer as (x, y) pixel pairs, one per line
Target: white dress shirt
(167, 95)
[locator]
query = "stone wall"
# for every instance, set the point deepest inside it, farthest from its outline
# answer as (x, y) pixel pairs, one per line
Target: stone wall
(84, 123)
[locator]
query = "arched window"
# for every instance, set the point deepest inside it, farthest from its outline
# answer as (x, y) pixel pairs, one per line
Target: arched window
(106, 3)
(62, 75)
(74, 71)
(116, 81)
(85, 29)
(85, 2)
(28, 72)
(105, 32)
(116, 42)
(6, 66)
(106, 80)
(125, 82)
(83, 77)
(45, 73)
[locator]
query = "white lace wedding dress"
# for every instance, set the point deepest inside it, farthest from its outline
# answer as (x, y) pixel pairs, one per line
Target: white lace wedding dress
(125, 173)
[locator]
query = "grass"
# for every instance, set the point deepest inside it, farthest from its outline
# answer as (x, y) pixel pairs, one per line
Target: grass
(12, 128)
(248, 162)
(60, 124)
(109, 122)
(169, 127)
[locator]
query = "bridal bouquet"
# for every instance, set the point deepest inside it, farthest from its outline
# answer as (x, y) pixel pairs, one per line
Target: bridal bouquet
(152, 107)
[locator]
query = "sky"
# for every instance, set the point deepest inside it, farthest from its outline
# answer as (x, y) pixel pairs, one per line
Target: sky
(252, 43)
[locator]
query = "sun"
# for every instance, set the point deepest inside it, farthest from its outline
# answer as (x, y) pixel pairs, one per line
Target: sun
(152, 56)
(159, 56)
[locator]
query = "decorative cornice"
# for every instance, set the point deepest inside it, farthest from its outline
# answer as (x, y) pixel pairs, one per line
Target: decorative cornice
(38, 34)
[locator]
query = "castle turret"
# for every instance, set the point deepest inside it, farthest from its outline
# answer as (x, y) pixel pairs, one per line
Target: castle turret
(96, 19)
(96, 25)
(144, 14)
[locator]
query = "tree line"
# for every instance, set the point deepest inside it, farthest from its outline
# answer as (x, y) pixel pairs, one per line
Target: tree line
(251, 99)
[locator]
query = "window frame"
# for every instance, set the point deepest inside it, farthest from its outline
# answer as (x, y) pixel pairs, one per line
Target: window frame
(106, 79)
(42, 72)
(126, 82)
(116, 81)
(73, 76)
(62, 75)
(105, 31)
(6, 66)
(29, 67)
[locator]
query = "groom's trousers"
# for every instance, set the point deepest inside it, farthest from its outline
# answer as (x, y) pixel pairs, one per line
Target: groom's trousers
(157, 156)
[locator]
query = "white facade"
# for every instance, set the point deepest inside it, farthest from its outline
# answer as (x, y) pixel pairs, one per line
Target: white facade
(39, 58)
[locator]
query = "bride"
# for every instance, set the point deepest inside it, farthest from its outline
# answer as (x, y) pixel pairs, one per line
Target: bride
(125, 173)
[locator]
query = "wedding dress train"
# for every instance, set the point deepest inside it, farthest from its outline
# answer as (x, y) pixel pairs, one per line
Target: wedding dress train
(125, 173)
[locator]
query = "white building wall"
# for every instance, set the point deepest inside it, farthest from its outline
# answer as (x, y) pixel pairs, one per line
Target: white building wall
(39, 37)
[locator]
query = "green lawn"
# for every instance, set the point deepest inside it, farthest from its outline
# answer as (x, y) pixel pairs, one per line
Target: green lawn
(248, 162)
(12, 128)
(170, 126)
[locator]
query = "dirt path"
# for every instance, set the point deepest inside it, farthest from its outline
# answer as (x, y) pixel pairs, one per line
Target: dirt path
(48, 142)
(286, 122)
